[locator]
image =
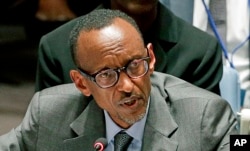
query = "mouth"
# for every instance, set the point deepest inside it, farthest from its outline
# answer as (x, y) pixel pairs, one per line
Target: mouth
(132, 103)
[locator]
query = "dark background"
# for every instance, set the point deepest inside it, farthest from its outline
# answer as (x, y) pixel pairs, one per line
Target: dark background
(20, 33)
(17, 63)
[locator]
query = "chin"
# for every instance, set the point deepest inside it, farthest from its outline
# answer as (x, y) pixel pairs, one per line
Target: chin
(134, 7)
(139, 9)
(134, 119)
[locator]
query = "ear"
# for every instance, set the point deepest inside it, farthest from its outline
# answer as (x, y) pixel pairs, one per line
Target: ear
(152, 57)
(80, 82)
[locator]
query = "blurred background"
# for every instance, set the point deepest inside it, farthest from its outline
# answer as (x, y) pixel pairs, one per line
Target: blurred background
(22, 23)
(17, 63)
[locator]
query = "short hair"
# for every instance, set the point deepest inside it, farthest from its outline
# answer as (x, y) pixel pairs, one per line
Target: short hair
(96, 19)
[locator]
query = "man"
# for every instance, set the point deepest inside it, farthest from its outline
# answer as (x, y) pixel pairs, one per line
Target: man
(180, 49)
(158, 111)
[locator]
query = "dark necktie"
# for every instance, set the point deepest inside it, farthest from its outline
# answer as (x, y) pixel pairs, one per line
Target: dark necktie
(122, 141)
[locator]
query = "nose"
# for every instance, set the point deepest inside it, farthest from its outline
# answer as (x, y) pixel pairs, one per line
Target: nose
(125, 83)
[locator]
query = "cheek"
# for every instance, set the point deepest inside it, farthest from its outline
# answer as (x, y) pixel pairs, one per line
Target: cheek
(146, 84)
(104, 98)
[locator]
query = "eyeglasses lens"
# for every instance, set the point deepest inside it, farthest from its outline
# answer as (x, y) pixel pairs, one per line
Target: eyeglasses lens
(135, 69)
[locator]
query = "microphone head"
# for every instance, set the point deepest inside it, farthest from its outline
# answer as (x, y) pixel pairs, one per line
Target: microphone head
(100, 144)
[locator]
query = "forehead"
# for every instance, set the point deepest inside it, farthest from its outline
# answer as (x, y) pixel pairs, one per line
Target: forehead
(116, 40)
(112, 46)
(120, 31)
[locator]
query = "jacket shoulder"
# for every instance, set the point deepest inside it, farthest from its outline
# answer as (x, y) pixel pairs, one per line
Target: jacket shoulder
(63, 99)
(176, 88)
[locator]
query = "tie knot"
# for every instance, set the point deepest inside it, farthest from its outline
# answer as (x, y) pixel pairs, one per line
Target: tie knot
(122, 141)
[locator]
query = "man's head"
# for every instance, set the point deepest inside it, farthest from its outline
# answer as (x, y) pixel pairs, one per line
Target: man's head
(134, 6)
(103, 43)
(144, 12)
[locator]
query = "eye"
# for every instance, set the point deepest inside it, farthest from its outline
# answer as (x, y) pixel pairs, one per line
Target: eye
(106, 74)
(134, 64)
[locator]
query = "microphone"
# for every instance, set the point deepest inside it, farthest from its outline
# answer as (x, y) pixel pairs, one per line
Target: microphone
(100, 144)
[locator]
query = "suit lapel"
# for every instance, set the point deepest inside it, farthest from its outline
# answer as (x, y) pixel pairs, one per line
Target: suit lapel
(159, 128)
(160, 125)
(89, 126)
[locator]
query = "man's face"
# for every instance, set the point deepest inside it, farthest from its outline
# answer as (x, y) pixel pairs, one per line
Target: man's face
(110, 48)
(134, 6)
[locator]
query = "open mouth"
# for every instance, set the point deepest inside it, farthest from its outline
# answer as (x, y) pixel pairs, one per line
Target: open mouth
(130, 102)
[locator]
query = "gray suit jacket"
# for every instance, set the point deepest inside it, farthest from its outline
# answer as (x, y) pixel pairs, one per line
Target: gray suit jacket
(181, 117)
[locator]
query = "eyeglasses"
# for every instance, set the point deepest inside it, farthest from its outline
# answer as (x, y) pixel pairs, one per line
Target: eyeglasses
(109, 77)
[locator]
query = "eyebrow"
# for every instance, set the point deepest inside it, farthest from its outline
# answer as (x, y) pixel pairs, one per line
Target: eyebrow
(106, 68)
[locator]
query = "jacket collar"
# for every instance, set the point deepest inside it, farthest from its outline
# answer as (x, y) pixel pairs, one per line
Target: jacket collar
(160, 126)
(87, 133)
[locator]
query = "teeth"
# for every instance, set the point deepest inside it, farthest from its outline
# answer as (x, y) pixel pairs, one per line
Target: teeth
(130, 102)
